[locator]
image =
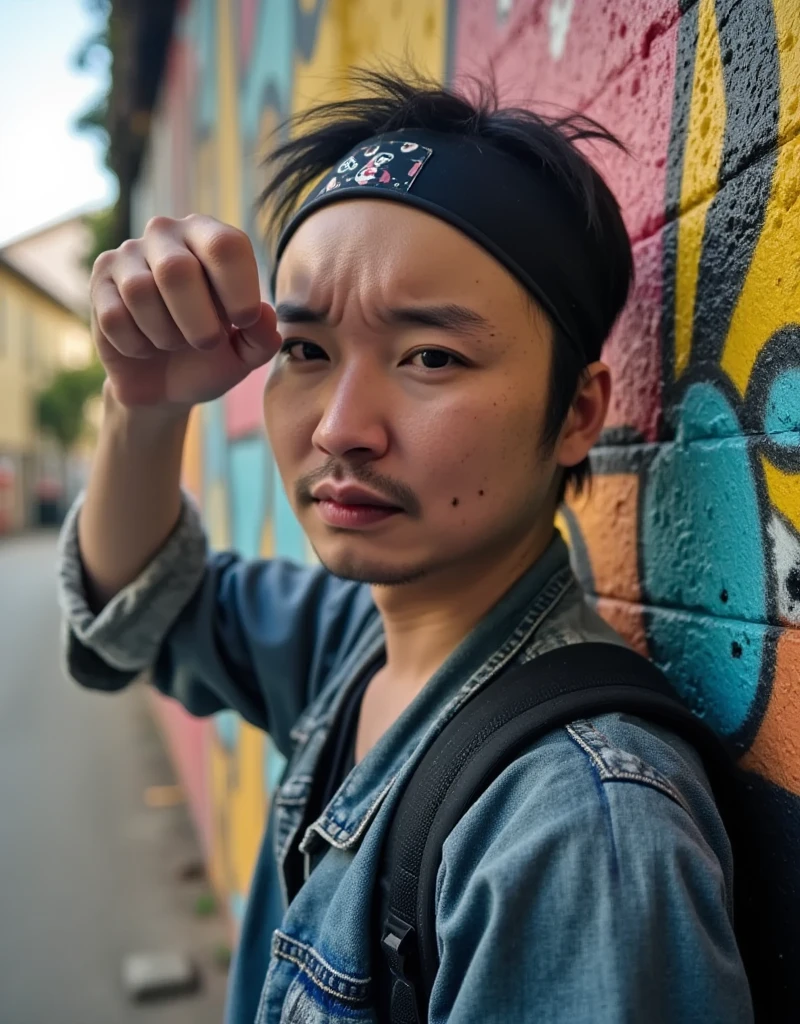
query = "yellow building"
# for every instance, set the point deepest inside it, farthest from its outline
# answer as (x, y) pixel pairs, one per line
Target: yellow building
(43, 328)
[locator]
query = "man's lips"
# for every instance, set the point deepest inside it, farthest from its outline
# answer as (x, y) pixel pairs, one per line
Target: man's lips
(351, 508)
(351, 496)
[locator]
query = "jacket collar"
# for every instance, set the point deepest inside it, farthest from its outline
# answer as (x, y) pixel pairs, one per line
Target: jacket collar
(494, 642)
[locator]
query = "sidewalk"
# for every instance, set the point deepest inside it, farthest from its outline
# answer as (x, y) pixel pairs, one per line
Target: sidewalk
(89, 873)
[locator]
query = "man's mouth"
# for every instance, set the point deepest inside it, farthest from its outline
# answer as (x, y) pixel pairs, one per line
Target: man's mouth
(352, 497)
(350, 507)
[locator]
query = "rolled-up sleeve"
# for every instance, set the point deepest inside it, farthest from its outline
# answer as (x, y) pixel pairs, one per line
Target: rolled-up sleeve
(213, 630)
(565, 900)
(128, 632)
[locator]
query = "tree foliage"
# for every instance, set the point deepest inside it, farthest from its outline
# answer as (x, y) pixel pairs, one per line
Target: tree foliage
(96, 52)
(61, 406)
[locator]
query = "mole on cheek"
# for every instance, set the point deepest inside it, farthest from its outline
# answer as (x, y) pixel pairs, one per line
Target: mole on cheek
(454, 502)
(480, 493)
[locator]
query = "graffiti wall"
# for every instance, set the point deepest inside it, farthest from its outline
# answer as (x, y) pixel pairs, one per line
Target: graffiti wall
(690, 540)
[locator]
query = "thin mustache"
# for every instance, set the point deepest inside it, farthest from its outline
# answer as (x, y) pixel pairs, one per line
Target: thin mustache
(392, 490)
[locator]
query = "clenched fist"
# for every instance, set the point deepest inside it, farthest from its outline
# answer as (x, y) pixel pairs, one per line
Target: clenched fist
(177, 315)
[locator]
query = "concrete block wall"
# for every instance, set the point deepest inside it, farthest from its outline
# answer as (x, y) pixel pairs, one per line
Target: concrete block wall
(690, 541)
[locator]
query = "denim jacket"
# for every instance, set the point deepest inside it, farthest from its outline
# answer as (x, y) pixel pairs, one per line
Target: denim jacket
(592, 882)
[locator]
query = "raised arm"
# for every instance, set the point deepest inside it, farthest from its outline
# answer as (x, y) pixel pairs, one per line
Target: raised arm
(177, 319)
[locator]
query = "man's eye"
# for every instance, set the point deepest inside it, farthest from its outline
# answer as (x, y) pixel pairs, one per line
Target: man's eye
(302, 351)
(435, 359)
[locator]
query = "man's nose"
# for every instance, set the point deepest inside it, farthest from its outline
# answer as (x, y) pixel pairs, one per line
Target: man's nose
(354, 418)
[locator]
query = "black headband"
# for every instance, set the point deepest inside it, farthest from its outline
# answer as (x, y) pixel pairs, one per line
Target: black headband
(523, 218)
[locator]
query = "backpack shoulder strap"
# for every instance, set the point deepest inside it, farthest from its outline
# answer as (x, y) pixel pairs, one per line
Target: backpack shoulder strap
(485, 736)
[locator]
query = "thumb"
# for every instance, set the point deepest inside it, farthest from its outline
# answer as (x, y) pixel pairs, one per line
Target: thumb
(257, 343)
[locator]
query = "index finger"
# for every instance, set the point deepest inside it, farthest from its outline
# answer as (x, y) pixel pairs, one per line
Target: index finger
(226, 254)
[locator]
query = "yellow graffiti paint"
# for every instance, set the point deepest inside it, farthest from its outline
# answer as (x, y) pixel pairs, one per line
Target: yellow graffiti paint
(239, 805)
(192, 476)
(229, 150)
(355, 32)
(784, 492)
(563, 528)
(247, 804)
(701, 165)
(204, 184)
(787, 29)
(770, 297)
(216, 516)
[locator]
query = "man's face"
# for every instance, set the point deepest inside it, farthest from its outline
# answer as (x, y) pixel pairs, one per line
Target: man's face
(414, 369)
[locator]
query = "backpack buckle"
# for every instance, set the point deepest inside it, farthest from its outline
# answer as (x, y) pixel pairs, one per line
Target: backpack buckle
(398, 938)
(399, 944)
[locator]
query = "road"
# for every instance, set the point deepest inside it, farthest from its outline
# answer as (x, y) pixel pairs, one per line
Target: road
(88, 871)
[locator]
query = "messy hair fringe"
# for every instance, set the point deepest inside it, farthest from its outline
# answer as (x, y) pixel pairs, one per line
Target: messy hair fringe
(306, 145)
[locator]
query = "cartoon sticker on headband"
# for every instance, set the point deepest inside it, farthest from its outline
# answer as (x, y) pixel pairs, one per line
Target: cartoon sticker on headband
(391, 164)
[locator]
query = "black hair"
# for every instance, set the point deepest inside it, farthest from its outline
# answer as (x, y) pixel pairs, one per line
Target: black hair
(314, 140)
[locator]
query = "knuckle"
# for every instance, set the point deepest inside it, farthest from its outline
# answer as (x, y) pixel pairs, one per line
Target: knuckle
(175, 269)
(198, 219)
(112, 319)
(136, 288)
(103, 263)
(226, 243)
(159, 223)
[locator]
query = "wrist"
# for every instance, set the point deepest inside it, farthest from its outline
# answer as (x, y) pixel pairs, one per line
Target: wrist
(143, 420)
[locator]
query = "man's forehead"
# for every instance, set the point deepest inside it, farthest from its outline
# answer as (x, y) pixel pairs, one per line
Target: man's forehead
(386, 244)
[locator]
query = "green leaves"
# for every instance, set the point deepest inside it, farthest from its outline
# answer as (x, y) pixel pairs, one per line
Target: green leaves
(61, 406)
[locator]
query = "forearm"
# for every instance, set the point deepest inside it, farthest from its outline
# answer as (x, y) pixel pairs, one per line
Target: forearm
(133, 499)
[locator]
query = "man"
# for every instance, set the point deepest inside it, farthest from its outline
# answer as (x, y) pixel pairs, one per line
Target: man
(435, 385)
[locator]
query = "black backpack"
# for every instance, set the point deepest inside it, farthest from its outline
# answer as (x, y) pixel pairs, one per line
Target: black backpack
(494, 728)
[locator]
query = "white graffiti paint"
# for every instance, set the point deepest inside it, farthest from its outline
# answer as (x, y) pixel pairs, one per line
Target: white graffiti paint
(558, 19)
(786, 559)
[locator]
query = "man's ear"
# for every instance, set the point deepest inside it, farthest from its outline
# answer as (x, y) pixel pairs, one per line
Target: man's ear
(586, 416)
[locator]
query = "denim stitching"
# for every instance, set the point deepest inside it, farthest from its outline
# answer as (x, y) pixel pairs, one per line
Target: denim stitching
(550, 596)
(282, 847)
(280, 938)
(342, 839)
(601, 768)
(589, 738)
(335, 983)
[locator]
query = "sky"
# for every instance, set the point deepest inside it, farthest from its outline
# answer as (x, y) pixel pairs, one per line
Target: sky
(47, 169)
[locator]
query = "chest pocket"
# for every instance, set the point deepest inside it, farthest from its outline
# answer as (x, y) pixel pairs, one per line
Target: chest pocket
(319, 994)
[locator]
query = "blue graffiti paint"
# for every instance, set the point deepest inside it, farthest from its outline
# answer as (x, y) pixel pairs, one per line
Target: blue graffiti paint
(237, 902)
(705, 412)
(269, 72)
(702, 552)
(290, 540)
(274, 765)
(249, 491)
(201, 28)
(782, 414)
(215, 454)
(228, 726)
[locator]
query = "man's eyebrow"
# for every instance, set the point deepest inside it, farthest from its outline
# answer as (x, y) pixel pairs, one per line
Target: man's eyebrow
(448, 317)
(298, 313)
